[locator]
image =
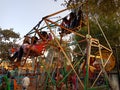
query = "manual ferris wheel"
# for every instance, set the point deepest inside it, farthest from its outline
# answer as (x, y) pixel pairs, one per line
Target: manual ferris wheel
(55, 56)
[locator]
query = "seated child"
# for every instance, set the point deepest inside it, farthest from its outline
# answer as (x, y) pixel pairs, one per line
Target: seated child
(35, 47)
(19, 53)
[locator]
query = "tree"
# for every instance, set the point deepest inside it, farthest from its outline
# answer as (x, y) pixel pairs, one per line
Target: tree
(102, 8)
(105, 7)
(7, 39)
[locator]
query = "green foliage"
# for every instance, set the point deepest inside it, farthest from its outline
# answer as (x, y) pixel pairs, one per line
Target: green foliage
(110, 29)
(7, 40)
(7, 34)
(103, 7)
(98, 7)
(4, 50)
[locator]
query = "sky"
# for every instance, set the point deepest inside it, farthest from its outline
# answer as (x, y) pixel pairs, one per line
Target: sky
(23, 15)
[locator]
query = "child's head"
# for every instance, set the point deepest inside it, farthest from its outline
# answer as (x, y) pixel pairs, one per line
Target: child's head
(27, 40)
(34, 40)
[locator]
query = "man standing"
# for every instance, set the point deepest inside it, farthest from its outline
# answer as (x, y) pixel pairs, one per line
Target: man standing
(25, 82)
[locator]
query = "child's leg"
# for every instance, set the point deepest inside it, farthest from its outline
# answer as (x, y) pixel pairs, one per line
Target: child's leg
(20, 54)
(14, 56)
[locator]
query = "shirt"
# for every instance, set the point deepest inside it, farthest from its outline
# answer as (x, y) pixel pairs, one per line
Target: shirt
(25, 81)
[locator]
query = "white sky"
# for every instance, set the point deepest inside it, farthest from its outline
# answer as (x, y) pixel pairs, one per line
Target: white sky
(23, 15)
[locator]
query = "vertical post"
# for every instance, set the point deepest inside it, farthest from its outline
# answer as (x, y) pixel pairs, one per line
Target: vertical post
(88, 37)
(117, 64)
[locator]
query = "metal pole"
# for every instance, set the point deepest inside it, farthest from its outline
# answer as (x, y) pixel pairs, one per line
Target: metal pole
(88, 37)
(117, 64)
